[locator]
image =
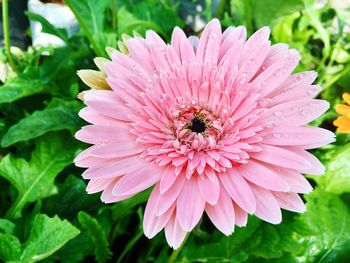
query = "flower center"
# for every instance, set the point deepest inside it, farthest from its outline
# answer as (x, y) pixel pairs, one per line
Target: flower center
(197, 125)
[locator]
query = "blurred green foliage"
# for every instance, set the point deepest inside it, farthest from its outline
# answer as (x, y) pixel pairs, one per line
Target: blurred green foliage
(45, 213)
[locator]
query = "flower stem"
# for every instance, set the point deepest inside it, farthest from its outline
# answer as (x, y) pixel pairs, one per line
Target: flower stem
(176, 252)
(6, 29)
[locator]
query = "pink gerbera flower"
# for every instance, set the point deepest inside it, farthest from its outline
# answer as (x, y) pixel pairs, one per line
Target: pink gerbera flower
(217, 124)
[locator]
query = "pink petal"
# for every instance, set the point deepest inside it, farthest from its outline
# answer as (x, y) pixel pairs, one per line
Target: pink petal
(140, 54)
(174, 234)
(241, 216)
(296, 181)
(267, 207)
(315, 168)
(190, 205)
(158, 50)
(230, 38)
(153, 224)
(260, 36)
(208, 46)
(167, 180)
(106, 103)
(297, 86)
(239, 190)
(260, 175)
(94, 117)
(290, 201)
(114, 150)
(276, 74)
(98, 185)
(209, 188)
(182, 45)
(282, 157)
(222, 214)
(84, 158)
(114, 168)
(96, 134)
(252, 61)
(137, 181)
(168, 198)
(108, 196)
(307, 137)
(295, 113)
(90, 162)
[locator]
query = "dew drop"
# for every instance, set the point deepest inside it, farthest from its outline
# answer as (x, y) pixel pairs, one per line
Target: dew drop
(263, 102)
(251, 61)
(305, 113)
(276, 135)
(277, 113)
(264, 83)
(278, 73)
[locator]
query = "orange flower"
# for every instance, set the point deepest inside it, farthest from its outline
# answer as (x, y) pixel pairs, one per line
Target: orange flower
(343, 122)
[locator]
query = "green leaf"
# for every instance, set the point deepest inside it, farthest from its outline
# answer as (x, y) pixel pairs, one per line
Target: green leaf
(24, 85)
(59, 115)
(47, 236)
(322, 234)
(75, 250)
(257, 240)
(97, 236)
(162, 14)
(10, 248)
(266, 11)
(283, 29)
(327, 238)
(72, 197)
(90, 15)
(132, 23)
(53, 64)
(6, 226)
(337, 177)
(47, 27)
(34, 179)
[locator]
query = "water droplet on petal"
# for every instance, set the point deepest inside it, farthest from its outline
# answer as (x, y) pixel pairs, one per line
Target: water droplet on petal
(276, 135)
(312, 91)
(244, 75)
(277, 113)
(264, 83)
(251, 61)
(305, 113)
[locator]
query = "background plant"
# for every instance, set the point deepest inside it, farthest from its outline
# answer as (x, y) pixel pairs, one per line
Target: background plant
(45, 213)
